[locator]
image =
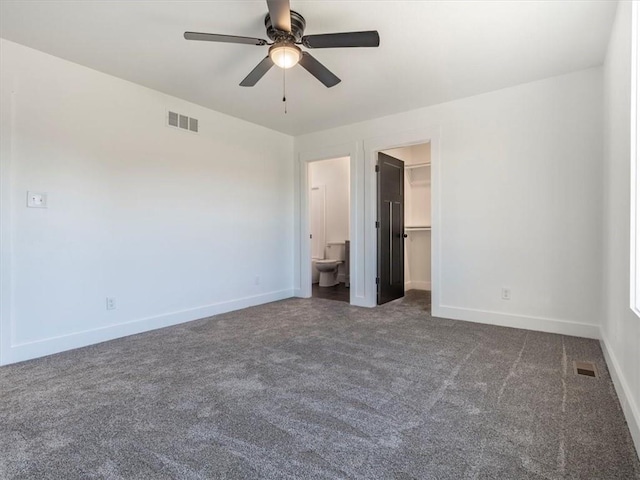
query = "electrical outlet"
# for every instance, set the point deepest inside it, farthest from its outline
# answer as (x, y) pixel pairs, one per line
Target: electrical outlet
(36, 200)
(111, 303)
(506, 293)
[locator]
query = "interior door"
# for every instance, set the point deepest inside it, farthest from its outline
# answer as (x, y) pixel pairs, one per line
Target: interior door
(390, 172)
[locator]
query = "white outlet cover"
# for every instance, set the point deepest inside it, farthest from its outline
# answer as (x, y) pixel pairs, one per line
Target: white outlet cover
(111, 303)
(36, 200)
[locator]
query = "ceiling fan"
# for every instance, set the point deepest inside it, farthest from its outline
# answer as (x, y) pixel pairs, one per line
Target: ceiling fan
(286, 30)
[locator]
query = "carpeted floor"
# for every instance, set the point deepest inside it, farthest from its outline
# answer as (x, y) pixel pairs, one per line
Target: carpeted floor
(306, 389)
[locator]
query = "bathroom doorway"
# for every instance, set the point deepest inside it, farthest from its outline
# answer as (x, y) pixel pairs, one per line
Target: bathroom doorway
(329, 215)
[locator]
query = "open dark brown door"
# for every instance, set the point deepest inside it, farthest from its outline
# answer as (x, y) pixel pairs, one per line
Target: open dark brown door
(390, 172)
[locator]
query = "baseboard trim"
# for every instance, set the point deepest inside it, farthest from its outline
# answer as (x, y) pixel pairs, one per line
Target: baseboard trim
(540, 324)
(417, 285)
(298, 293)
(360, 302)
(630, 410)
(49, 346)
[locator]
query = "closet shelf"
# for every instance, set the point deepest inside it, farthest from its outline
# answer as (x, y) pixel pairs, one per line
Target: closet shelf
(418, 173)
(417, 165)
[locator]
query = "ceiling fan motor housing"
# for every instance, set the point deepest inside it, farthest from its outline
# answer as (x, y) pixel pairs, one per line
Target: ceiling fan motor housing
(298, 25)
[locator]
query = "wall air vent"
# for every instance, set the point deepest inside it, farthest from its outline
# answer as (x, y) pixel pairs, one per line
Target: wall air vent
(173, 119)
(182, 122)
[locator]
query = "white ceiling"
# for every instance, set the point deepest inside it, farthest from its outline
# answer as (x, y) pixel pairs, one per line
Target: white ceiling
(430, 51)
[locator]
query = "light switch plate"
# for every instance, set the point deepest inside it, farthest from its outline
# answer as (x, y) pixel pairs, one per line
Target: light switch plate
(36, 200)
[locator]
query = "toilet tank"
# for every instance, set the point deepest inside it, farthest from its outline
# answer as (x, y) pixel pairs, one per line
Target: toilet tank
(334, 251)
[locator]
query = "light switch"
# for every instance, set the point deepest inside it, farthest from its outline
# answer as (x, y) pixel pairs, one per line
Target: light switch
(36, 200)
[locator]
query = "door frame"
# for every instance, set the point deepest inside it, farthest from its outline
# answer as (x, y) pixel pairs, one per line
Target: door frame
(371, 148)
(302, 280)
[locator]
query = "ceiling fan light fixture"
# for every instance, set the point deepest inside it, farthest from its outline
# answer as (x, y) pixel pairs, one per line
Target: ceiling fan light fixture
(285, 55)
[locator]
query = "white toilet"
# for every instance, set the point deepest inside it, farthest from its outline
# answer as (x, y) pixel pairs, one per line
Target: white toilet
(328, 268)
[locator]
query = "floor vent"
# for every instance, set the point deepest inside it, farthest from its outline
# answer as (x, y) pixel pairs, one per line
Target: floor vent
(587, 369)
(182, 122)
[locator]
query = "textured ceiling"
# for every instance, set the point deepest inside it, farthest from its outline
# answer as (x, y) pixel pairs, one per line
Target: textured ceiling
(430, 51)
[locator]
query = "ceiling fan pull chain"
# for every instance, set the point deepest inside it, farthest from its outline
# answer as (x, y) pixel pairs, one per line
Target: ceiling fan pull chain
(284, 89)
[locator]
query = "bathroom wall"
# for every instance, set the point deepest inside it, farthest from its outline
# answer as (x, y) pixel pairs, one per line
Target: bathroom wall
(417, 209)
(334, 174)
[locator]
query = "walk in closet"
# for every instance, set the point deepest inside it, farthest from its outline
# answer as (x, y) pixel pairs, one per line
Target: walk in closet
(417, 218)
(417, 214)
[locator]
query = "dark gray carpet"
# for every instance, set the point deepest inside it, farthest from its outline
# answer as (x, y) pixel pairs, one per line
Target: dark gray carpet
(317, 389)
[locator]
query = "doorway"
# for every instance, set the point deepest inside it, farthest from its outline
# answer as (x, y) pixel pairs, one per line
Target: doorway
(363, 235)
(404, 223)
(329, 210)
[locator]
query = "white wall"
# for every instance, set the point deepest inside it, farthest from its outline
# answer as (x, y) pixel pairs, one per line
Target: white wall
(519, 199)
(334, 175)
(176, 226)
(620, 326)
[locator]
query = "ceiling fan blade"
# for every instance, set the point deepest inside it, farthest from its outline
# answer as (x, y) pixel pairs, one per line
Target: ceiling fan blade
(213, 37)
(337, 40)
(280, 14)
(257, 73)
(315, 68)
